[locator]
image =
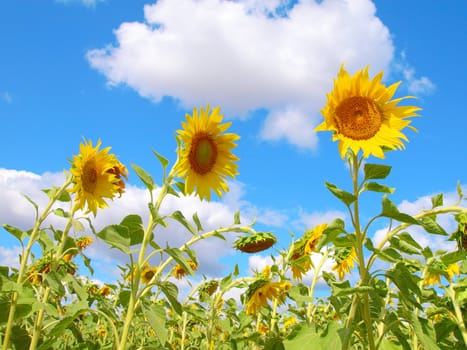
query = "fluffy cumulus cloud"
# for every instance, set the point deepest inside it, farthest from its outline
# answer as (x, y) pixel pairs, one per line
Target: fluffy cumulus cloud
(247, 55)
(415, 85)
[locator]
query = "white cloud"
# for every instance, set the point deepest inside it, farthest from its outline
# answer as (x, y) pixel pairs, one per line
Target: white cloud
(416, 85)
(309, 220)
(9, 256)
(244, 56)
(6, 97)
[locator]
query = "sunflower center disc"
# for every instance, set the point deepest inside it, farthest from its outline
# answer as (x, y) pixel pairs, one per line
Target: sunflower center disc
(358, 118)
(89, 177)
(203, 154)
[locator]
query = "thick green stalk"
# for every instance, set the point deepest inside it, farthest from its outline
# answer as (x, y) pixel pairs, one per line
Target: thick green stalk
(311, 291)
(458, 312)
(359, 245)
(25, 258)
(58, 256)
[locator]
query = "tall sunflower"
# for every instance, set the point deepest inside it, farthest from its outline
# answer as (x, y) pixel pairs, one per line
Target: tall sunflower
(205, 157)
(96, 175)
(363, 116)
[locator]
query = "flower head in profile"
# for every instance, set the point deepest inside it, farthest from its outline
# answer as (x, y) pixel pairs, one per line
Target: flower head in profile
(83, 242)
(261, 291)
(453, 270)
(97, 175)
(312, 238)
(205, 157)
(345, 261)
(363, 116)
(180, 272)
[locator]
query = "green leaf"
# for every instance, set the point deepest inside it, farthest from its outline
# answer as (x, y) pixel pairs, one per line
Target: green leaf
(171, 292)
(424, 331)
(432, 226)
(196, 220)
(406, 283)
(437, 200)
(116, 236)
(346, 197)
(236, 271)
(16, 232)
(156, 316)
(176, 254)
(180, 186)
(407, 238)
(54, 282)
(453, 257)
(144, 177)
(178, 216)
(64, 195)
(390, 210)
(20, 338)
(376, 187)
(274, 343)
(34, 204)
(60, 212)
(225, 283)
(386, 344)
(164, 161)
(403, 246)
(376, 171)
(61, 326)
(134, 224)
(237, 218)
(331, 232)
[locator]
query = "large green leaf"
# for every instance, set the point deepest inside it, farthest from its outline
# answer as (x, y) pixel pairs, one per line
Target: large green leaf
(156, 316)
(134, 224)
(376, 171)
(171, 292)
(431, 226)
(390, 210)
(346, 197)
(16, 232)
(178, 216)
(117, 236)
(145, 177)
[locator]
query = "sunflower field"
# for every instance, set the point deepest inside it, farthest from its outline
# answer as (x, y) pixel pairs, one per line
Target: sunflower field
(387, 294)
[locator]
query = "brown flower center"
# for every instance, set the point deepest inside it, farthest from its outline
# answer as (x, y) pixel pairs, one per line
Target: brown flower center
(89, 177)
(203, 153)
(358, 118)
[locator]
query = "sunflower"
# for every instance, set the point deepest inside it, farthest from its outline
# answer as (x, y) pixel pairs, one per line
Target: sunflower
(83, 242)
(205, 158)
(312, 238)
(431, 279)
(255, 243)
(362, 115)
(261, 291)
(180, 272)
(453, 270)
(345, 261)
(104, 290)
(148, 273)
(97, 175)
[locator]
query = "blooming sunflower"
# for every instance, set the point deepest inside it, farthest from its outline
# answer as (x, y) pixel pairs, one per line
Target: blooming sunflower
(148, 273)
(312, 238)
(261, 291)
(362, 115)
(431, 279)
(345, 261)
(453, 270)
(205, 158)
(97, 175)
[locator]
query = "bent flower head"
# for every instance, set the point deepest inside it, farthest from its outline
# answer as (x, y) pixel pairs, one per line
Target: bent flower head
(97, 175)
(363, 116)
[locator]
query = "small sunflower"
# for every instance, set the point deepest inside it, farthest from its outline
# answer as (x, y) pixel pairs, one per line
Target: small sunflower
(261, 291)
(431, 279)
(345, 261)
(148, 273)
(255, 243)
(97, 175)
(362, 115)
(205, 157)
(180, 272)
(453, 270)
(312, 238)
(104, 291)
(209, 288)
(300, 265)
(83, 242)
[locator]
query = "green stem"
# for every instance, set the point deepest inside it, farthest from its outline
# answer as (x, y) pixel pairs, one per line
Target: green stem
(360, 239)
(58, 256)
(458, 313)
(314, 282)
(25, 258)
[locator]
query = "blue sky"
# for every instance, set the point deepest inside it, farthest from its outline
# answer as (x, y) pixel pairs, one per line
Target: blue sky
(127, 72)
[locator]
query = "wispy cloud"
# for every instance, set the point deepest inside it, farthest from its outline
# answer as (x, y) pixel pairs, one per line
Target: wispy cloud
(5, 96)
(246, 55)
(415, 85)
(89, 3)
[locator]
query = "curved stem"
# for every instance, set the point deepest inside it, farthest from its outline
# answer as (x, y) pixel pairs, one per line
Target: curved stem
(311, 291)
(24, 259)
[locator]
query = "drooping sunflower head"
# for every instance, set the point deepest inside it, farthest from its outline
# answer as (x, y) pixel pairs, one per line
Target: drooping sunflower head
(83, 242)
(96, 175)
(262, 290)
(345, 261)
(205, 157)
(312, 238)
(363, 116)
(256, 242)
(179, 271)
